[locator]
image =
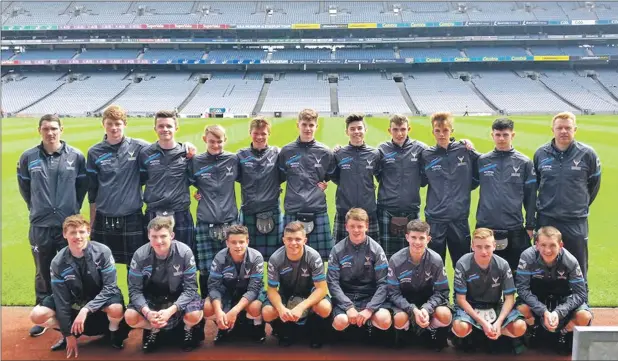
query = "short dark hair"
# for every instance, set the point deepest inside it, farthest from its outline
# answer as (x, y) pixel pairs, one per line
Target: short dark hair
(236, 229)
(50, 118)
(293, 227)
(165, 114)
(355, 117)
(417, 225)
(503, 124)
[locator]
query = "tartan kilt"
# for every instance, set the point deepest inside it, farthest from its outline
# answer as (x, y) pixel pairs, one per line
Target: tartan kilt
(266, 244)
(183, 227)
(123, 235)
(320, 239)
(206, 246)
(340, 233)
(389, 243)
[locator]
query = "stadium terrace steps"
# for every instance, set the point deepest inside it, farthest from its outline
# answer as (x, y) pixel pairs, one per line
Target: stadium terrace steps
(482, 96)
(604, 87)
(112, 100)
(41, 99)
(559, 96)
(334, 99)
(260, 101)
(190, 96)
(406, 96)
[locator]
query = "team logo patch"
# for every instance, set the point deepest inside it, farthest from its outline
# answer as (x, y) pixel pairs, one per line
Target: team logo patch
(367, 261)
(247, 273)
(461, 161)
(369, 165)
(576, 165)
(131, 155)
(522, 264)
(427, 275)
(270, 161)
(177, 269)
(515, 171)
(70, 164)
(317, 161)
(229, 171)
(496, 282)
(413, 157)
(305, 273)
(561, 275)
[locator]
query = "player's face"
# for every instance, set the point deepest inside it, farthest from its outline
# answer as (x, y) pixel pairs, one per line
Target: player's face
(357, 230)
(259, 137)
(294, 243)
(114, 129)
(77, 237)
(50, 132)
(503, 139)
(307, 129)
(564, 131)
(214, 144)
(161, 240)
(399, 132)
(418, 242)
(442, 133)
(483, 248)
(549, 248)
(356, 131)
(166, 128)
(237, 244)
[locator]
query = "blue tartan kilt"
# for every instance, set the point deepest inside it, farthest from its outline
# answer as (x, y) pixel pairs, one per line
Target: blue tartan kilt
(340, 233)
(391, 244)
(123, 235)
(206, 246)
(266, 244)
(183, 227)
(320, 239)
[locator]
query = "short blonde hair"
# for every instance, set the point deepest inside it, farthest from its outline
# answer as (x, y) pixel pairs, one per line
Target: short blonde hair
(564, 115)
(308, 115)
(398, 119)
(357, 214)
(549, 232)
(442, 118)
(482, 233)
(75, 221)
(216, 130)
(259, 122)
(115, 112)
(293, 227)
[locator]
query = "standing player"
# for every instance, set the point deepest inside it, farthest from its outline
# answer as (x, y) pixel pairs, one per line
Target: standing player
(448, 170)
(485, 292)
(306, 165)
(551, 288)
(234, 285)
(164, 167)
(52, 181)
(260, 186)
(357, 164)
(213, 173)
(115, 192)
(85, 298)
(418, 288)
(357, 274)
(569, 177)
(400, 181)
(507, 184)
(297, 292)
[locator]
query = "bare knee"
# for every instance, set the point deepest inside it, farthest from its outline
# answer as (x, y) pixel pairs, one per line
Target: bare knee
(132, 317)
(192, 318)
(400, 319)
(40, 314)
(461, 329)
(525, 311)
(583, 318)
(254, 309)
(114, 310)
(323, 308)
(341, 322)
(269, 313)
(443, 315)
(209, 310)
(517, 328)
(382, 319)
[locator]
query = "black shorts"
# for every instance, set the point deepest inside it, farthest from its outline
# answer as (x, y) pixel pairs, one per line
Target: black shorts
(96, 323)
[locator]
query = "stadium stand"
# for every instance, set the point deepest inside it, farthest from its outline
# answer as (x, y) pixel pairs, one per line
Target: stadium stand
(609, 78)
(484, 51)
(301, 54)
(367, 53)
(230, 54)
(370, 91)
(108, 54)
(21, 90)
(35, 54)
(429, 52)
(605, 50)
(581, 91)
(292, 91)
(168, 54)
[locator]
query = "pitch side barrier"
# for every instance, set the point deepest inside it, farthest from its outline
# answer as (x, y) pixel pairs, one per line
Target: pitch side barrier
(595, 343)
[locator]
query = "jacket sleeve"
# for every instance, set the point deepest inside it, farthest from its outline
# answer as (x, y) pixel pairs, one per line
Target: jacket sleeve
(421, 168)
(578, 296)
(81, 182)
(256, 280)
(440, 289)
(135, 283)
(474, 160)
(23, 179)
(93, 177)
(143, 168)
(216, 288)
(332, 165)
(594, 180)
(282, 167)
(337, 173)
(530, 188)
(62, 300)
(508, 283)
(459, 283)
(523, 275)
(394, 290)
(332, 279)
(189, 282)
(381, 272)
(108, 277)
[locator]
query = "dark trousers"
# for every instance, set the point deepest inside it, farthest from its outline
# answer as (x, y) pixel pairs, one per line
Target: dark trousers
(574, 237)
(45, 242)
(455, 235)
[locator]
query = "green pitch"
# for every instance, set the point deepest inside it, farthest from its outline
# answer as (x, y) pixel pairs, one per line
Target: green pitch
(18, 134)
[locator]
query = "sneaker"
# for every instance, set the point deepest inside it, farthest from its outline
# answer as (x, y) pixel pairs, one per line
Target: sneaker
(116, 340)
(60, 345)
(37, 330)
(564, 346)
(188, 344)
(438, 338)
(149, 341)
(222, 337)
(259, 333)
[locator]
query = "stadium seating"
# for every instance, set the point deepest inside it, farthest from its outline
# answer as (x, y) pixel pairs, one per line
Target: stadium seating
(26, 89)
(108, 54)
(231, 91)
(581, 91)
(293, 91)
(610, 79)
(230, 54)
(36, 54)
(169, 54)
(368, 53)
(480, 51)
(429, 52)
(6, 54)
(369, 92)
(605, 50)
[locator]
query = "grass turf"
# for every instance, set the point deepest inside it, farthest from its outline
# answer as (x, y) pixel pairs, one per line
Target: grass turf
(19, 134)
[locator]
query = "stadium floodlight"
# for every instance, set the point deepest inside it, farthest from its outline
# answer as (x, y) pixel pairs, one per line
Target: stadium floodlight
(461, 7)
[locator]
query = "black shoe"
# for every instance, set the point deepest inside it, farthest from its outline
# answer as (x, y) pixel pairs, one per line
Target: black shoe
(518, 346)
(222, 337)
(564, 346)
(530, 337)
(37, 330)
(116, 340)
(259, 333)
(438, 338)
(285, 341)
(188, 343)
(149, 341)
(60, 345)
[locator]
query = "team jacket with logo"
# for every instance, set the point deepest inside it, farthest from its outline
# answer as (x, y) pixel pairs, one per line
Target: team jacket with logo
(53, 186)
(410, 285)
(568, 181)
(295, 278)
(225, 281)
(67, 281)
(449, 174)
(536, 282)
(357, 271)
(507, 183)
(400, 178)
(166, 178)
(483, 287)
(214, 177)
(114, 176)
(303, 165)
(356, 167)
(258, 176)
(177, 271)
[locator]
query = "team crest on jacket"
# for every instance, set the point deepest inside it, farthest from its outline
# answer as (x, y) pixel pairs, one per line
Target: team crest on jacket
(317, 161)
(461, 161)
(413, 157)
(70, 164)
(496, 282)
(177, 268)
(576, 165)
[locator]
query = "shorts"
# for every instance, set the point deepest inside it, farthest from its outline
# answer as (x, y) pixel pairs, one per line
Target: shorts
(461, 315)
(197, 304)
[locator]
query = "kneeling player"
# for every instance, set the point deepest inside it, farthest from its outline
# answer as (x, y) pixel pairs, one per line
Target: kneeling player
(234, 284)
(163, 286)
(416, 277)
(551, 289)
(357, 270)
(296, 289)
(481, 281)
(85, 298)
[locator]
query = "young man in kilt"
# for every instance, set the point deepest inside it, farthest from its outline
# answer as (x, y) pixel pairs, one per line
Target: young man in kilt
(235, 288)
(213, 173)
(115, 191)
(399, 184)
(260, 186)
(418, 289)
(163, 166)
(357, 164)
(306, 166)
